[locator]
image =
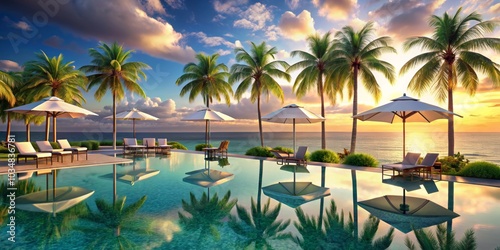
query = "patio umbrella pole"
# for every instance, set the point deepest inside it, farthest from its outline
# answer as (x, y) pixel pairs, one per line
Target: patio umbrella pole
(54, 127)
(404, 201)
(404, 136)
(133, 126)
(294, 137)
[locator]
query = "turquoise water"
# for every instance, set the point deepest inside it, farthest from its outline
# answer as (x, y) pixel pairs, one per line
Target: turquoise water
(386, 147)
(156, 224)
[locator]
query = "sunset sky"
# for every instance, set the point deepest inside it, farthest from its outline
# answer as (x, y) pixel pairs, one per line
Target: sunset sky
(167, 34)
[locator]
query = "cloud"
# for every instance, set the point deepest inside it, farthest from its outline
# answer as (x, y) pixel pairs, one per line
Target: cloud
(238, 44)
(153, 106)
(407, 18)
(335, 9)
(175, 4)
(346, 109)
(229, 6)
(223, 52)
(495, 9)
(296, 27)
(8, 65)
(293, 4)
(154, 7)
(245, 109)
(272, 32)
(212, 41)
(21, 25)
(254, 18)
(58, 43)
(217, 18)
(282, 55)
(93, 19)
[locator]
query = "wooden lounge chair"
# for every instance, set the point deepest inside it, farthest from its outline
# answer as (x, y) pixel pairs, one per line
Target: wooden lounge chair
(427, 164)
(280, 156)
(299, 158)
(131, 144)
(149, 143)
(407, 167)
(26, 150)
(163, 146)
(76, 150)
(45, 146)
(224, 145)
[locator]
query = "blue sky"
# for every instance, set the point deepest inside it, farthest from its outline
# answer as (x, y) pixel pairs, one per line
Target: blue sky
(166, 34)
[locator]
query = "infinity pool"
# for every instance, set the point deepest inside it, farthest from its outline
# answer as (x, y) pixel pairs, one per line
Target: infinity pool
(176, 212)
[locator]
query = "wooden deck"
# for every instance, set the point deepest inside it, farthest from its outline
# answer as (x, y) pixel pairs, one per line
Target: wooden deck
(93, 160)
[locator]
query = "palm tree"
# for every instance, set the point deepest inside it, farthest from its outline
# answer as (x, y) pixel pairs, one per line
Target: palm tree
(258, 71)
(313, 68)
(110, 70)
(208, 79)
(6, 83)
(356, 55)
(260, 226)
(442, 240)
(450, 59)
(115, 217)
(52, 77)
(10, 83)
(206, 214)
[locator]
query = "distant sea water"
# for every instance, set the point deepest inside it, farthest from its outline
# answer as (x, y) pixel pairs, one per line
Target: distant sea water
(385, 146)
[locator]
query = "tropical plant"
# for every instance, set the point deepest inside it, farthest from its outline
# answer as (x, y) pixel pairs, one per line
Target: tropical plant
(481, 169)
(359, 159)
(53, 77)
(206, 214)
(6, 83)
(450, 59)
(441, 240)
(258, 72)
(284, 149)
(115, 217)
(339, 234)
(208, 79)
(260, 226)
(324, 155)
(453, 164)
(313, 70)
(356, 55)
(177, 145)
(111, 70)
(259, 151)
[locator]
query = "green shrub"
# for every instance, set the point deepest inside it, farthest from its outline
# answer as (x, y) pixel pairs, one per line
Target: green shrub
(55, 145)
(453, 164)
(95, 144)
(361, 160)
(75, 143)
(177, 145)
(86, 144)
(4, 150)
(481, 169)
(260, 151)
(200, 147)
(324, 155)
(280, 148)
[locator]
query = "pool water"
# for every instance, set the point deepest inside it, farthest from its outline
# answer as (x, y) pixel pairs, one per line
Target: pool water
(177, 214)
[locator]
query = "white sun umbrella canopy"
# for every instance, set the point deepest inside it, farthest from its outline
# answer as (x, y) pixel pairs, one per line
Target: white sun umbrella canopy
(207, 115)
(133, 115)
(293, 114)
(54, 107)
(408, 109)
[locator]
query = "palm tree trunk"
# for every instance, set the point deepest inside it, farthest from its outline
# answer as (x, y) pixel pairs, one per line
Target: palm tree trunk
(47, 125)
(451, 127)
(260, 122)
(114, 121)
(323, 123)
(28, 132)
(8, 127)
(354, 111)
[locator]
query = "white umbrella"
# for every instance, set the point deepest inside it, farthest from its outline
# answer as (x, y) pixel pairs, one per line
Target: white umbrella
(133, 115)
(293, 114)
(207, 115)
(52, 106)
(408, 109)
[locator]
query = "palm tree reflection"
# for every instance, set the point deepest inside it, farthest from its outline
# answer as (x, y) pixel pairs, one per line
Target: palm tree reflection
(442, 239)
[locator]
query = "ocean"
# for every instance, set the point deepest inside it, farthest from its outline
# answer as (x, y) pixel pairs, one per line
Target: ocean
(385, 146)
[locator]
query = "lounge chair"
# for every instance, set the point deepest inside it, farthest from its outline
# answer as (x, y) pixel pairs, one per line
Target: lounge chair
(76, 150)
(224, 145)
(428, 162)
(27, 150)
(211, 153)
(280, 156)
(163, 146)
(131, 144)
(407, 166)
(299, 158)
(149, 143)
(45, 146)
